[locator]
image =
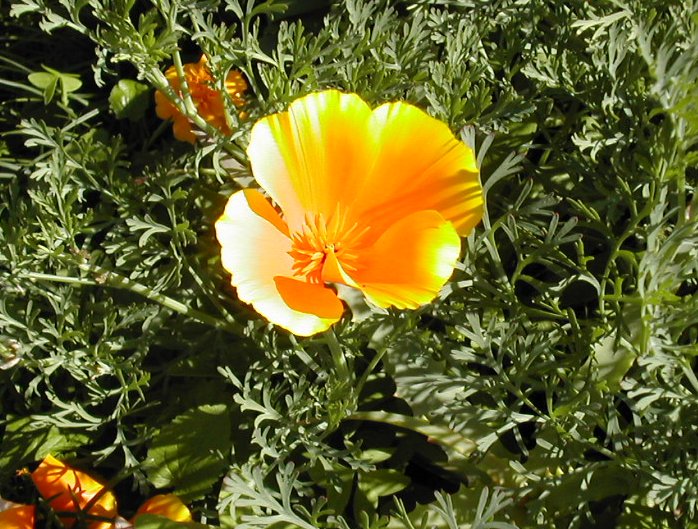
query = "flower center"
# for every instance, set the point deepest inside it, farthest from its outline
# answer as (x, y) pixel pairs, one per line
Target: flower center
(319, 238)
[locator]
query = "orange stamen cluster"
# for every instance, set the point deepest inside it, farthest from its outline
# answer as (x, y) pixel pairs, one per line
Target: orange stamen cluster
(319, 237)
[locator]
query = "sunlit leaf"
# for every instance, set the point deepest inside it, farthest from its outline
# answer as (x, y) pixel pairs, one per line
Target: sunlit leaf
(189, 454)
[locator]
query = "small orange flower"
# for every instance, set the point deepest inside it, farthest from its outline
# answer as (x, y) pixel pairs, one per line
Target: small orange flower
(376, 200)
(167, 505)
(71, 491)
(16, 516)
(207, 99)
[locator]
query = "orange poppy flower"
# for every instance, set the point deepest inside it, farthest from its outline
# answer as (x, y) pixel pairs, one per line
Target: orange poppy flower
(71, 491)
(167, 505)
(375, 200)
(207, 99)
(16, 516)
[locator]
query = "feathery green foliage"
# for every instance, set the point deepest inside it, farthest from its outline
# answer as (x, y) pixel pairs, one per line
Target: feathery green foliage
(552, 384)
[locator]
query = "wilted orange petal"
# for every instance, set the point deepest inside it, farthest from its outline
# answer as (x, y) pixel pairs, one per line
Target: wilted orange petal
(173, 78)
(70, 490)
(182, 128)
(163, 107)
(236, 85)
(19, 517)
(167, 505)
(313, 157)
(410, 262)
(205, 96)
(254, 249)
(420, 165)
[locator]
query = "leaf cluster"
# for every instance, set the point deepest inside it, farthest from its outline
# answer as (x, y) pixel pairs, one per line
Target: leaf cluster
(552, 384)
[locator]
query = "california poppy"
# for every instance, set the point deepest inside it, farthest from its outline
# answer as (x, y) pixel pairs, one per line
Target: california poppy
(16, 516)
(167, 505)
(206, 97)
(376, 200)
(71, 491)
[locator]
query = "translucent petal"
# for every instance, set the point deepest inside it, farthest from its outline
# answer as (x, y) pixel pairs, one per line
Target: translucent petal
(181, 128)
(167, 505)
(19, 517)
(420, 165)
(309, 297)
(394, 273)
(163, 107)
(330, 151)
(314, 157)
(70, 490)
(254, 249)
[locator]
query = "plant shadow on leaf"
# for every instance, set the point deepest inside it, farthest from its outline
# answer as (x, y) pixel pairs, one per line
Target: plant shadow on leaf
(191, 453)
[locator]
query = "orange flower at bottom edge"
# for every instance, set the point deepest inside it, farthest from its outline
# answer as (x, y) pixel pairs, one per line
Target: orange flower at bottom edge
(207, 99)
(167, 505)
(17, 516)
(71, 491)
(374, 199)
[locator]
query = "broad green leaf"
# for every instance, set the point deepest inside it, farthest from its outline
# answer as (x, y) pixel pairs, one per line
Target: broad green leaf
(49, 79)
(41, 79)
(613, 361)
(129, 99)
(188, 454)
(383, 482)
(438, 432)
(25, 440)
(376, 455)
(643, 517)
(337, 481)
(70, 83)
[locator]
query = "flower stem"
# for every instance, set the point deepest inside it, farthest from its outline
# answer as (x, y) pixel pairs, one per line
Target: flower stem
(338, 358)
(380, 353)
(185, 104)
(102, 276)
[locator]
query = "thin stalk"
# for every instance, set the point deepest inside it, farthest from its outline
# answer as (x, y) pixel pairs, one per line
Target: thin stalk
(338, 358)
(186, 106)
(105, 277)
(380, 353)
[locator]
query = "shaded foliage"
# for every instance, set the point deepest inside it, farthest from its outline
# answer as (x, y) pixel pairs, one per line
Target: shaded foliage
(552, 384)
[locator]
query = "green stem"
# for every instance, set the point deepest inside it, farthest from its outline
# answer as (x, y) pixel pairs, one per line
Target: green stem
(616, 251)
(338, 358)
(60, 279)
(380, 353)
(102, 276)
(371, 366)
(186, 106)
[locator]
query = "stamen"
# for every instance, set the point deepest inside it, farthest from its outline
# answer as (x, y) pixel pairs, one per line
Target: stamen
(318, 237)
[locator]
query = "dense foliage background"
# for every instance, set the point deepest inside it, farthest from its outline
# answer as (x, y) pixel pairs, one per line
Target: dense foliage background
(552, 384)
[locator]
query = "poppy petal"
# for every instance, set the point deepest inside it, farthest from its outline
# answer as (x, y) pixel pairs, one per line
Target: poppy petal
(181, 128)
(167, 505)
(395, 274)
(420, 166)
(18, 517)
(313, 157)
(71, 490)
(254, 249)
(163, 107)
(312, 298)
